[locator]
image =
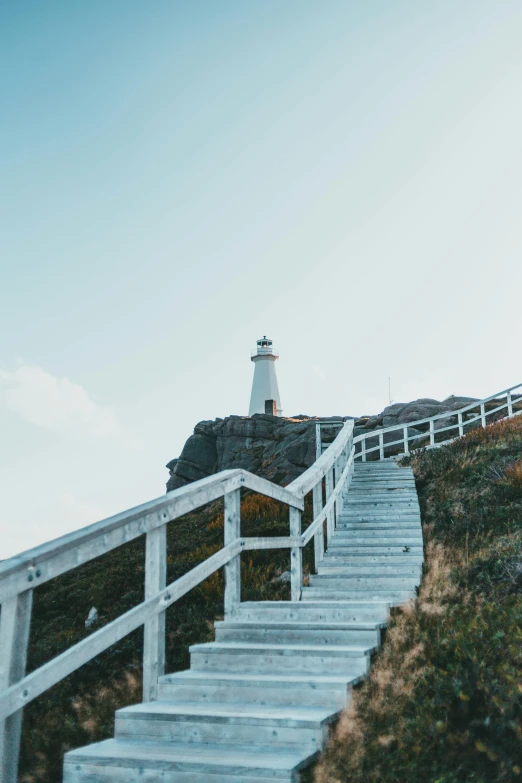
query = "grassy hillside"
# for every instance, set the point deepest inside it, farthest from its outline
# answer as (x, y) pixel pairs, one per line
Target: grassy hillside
(80, 709)
(443, 703)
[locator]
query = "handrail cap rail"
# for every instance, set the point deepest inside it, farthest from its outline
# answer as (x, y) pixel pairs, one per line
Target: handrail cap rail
(307, 480)
(444, 415)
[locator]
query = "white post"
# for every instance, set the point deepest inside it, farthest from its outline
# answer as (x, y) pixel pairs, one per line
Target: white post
(432, 433)
(363, 449)
(461, 426)
(406, 444)
(233, 568)
(381, 445)
(317, 504)
(15, 621)
(337, 475)
(318, 444)
(483, 414)
(296, 559)
(154, 628)
(330, 520)
(509, 405)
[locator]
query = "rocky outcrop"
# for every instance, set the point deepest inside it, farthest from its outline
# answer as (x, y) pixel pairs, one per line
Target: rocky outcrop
(270, 446)
(281, 449)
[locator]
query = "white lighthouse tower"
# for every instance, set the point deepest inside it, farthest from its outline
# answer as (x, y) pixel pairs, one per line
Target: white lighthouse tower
(265, 391)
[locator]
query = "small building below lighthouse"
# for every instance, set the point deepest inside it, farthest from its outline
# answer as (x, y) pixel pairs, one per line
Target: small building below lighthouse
(265, 391)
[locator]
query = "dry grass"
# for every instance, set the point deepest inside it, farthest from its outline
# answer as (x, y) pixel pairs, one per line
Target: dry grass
(443, 701)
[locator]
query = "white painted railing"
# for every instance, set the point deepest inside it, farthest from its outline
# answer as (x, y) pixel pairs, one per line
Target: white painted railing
(20, 575)
(382, 442)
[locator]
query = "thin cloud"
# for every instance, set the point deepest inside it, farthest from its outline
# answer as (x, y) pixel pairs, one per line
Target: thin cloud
(56, 404)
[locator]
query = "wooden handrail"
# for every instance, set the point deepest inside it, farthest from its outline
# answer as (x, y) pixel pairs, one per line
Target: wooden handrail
(307, 480)
(31, 686)
(36, 566)
(402, 427)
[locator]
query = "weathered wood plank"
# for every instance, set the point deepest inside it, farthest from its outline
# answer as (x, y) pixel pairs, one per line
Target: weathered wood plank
(274, 491)
(328, 507)
(15, 622)
(233, 568)
(330, 521)
(307, 480)
(154, 630)
(270, 542)
(296, 556)
(317, 504)
(318, 444)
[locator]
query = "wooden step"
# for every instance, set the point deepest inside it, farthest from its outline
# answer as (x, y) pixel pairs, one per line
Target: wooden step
(131, 761)
(314, 690)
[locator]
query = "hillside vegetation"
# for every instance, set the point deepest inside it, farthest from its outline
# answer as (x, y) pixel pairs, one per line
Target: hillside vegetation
(443, 702)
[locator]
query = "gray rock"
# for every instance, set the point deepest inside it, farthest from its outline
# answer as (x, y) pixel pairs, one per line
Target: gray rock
(280, 449)
(286, 576)
(418, 410)
(447, 421)
(92, 617)
(390, 415)
(453, 403)
(273, 447)
(373, 422)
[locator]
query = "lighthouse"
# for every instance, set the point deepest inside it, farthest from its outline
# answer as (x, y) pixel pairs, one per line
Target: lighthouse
(265, 391)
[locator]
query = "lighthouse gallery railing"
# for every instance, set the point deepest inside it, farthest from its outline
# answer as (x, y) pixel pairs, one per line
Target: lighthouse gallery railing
(327, 478)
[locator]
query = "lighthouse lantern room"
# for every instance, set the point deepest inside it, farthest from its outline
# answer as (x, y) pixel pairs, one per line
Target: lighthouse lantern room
(265, 391)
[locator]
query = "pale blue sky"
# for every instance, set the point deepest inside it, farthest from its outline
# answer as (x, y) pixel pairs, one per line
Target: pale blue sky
(177, 179)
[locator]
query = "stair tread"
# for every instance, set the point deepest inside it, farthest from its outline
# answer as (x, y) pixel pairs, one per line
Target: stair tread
(293, 604)
(172, 710)
(190, 752)
(322, 625)
(352, 650)
(248, 677)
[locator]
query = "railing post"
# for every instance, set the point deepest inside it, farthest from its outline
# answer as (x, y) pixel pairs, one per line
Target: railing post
(232, 569)
(336, 477)
(318, 444)
(432, 432)
(509, 405)
(406, 444)
(461, 426)
(317, 504)
(296, 557)
(15, 622)
(330, 519)
(154, 629)
(381, 445)
(363, 449)
(483, 414)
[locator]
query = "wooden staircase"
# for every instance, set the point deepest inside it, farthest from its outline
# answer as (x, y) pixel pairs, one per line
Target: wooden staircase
(256, 705)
